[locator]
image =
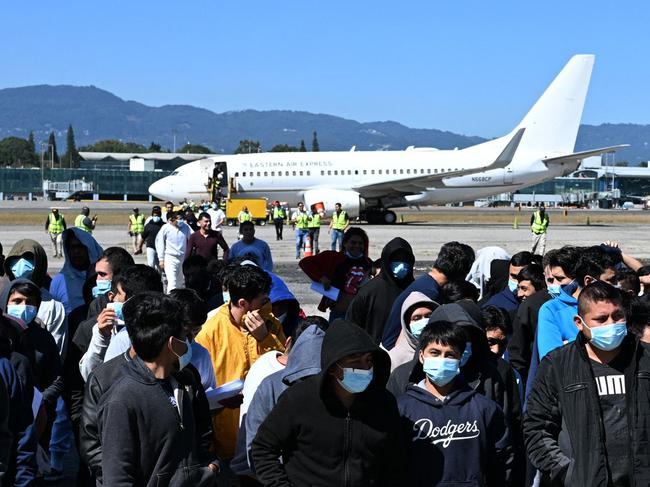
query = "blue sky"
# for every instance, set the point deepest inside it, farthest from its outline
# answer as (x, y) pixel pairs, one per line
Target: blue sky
(471, 67)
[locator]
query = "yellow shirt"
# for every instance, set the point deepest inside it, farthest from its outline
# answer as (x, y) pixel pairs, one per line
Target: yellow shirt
(233, 351)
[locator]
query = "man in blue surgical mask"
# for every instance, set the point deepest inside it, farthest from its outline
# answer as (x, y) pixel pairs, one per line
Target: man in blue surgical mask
(338, 424)
(453, 434)
(593, 390)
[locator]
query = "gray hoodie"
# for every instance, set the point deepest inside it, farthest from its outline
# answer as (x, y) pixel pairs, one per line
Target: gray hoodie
(304, 361)
(407, 344)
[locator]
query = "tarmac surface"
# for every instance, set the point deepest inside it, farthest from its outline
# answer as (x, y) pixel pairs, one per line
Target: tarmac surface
(425, 238)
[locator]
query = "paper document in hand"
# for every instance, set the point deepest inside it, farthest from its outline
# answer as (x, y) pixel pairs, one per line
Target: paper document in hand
(332, 293)
(226, 391)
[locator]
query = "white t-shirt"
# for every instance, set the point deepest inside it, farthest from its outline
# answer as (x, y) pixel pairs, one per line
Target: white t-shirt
(264, 366)
(217, 218)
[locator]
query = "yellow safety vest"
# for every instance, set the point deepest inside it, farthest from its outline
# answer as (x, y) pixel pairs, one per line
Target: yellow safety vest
(278, 213)
(79, 222)
(56, 225)
(302, 220)
(339, 221)
(315, 221)
(137, 223)
(539, 225)
(244, 217)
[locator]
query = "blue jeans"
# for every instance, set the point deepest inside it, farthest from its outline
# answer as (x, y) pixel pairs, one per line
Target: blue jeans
(301, 233)
(337, 236)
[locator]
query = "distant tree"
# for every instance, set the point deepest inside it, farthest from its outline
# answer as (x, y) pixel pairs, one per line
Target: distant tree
(248, 146)
(196, 149)
(644, 164)
(315, 147)
(32, 144)
(153, 147)
(302, 146)
(621, 164)
(52, 150)
(16, 152)
(284, 148)
(112, 145)
(71, 158)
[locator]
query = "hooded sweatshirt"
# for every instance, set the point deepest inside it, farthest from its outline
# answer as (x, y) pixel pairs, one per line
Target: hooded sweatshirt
(303, 361)
(407, 344)
(461, 440)
(38, 346)
(51, 312)
(555, 323)
(480, 272)
(67, 285)
(372, 304)
(323, 443)
(484, 372)
(281, 292)
(148, 441)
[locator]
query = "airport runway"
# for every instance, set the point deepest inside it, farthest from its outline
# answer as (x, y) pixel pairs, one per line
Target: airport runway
(425, 238)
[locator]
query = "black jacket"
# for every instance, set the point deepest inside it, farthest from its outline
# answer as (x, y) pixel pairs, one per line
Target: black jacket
(565, 399)
(145, 441)
(323, 443)
(524, 327)
(372, 304)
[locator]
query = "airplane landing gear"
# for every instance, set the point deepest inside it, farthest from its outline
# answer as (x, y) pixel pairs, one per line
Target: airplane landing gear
(380, 217)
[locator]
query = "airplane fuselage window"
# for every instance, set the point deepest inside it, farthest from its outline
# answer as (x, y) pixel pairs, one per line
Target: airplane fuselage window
(365, 172)
(372, 171)
(356, 172)
(266, 174)
(401, 171)
(301, 173)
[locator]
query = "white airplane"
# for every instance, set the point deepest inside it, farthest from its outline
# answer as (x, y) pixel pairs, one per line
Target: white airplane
(369, 183)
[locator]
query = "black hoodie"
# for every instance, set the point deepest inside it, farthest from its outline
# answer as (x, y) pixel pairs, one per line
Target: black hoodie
(374, 300)
(144, 438)
(323, 443)
(38, 345)
(484, 372)
(462, 440)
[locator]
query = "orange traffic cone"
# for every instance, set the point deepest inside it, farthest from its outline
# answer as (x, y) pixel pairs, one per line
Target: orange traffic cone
(308, 251)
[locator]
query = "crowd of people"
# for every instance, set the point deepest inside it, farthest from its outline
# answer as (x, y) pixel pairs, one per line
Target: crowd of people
(201, 367)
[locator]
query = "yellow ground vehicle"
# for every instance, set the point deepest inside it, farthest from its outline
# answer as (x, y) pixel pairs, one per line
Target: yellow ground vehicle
(256, 207)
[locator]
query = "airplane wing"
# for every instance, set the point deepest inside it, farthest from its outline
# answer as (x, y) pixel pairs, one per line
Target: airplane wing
(578, 156)
(419, 183)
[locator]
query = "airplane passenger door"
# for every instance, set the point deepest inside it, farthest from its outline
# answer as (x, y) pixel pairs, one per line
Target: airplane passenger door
(507, 176)
(221, 186)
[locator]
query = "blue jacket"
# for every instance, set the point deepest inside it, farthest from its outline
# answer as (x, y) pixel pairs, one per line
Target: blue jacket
(425, 284)
(303, 361)
(461, 441)
(555, 323)
(506, 300)
(67, 285)
(22, 462)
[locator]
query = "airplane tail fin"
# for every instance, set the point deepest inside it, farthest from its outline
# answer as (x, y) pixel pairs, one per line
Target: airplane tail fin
(552, 123)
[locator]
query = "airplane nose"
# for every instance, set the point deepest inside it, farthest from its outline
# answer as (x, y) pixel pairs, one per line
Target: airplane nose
(161, 189)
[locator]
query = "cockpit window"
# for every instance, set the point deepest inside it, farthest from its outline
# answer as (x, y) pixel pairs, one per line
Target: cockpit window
(175, 173)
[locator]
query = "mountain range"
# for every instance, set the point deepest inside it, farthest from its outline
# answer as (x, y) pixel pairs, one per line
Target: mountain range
(96, 114)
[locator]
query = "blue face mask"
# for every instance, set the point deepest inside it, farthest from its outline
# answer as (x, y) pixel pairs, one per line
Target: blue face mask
(226, 296)
(348, 254)
(102, 287)
(25, 313)
(155, 219)
(119, 315)
(400, 269)
(186, 358)
(607, 337)
(22, 268)
(570, 288)
(441, 371)
(355, 380)
(554, 290)
(512, 285)
(417, 327)
(466, 354)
